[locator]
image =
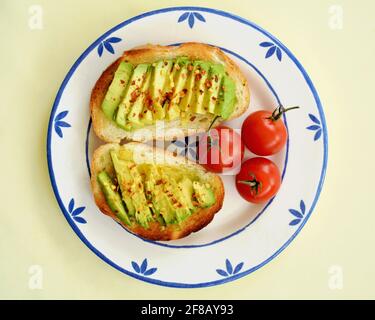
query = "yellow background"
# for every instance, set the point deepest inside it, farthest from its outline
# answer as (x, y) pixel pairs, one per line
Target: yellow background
(34, 232)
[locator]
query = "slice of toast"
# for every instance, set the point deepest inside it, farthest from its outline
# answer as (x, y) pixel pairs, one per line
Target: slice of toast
(107, 129)
(147, 154)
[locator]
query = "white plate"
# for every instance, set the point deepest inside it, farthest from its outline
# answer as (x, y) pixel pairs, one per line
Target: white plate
(242, 237)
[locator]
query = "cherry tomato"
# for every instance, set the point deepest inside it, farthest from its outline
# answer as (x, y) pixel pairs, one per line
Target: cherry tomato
(264, 132)
(258, 180)
(220, 149)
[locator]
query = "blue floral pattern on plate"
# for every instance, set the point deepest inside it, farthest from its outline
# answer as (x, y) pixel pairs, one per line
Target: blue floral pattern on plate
(315, 127)
(75, 213)
(190, 17)
(298, 214)
(142, 269)
(58, 123)
(272, 48)
(229, 269)
(107, 44)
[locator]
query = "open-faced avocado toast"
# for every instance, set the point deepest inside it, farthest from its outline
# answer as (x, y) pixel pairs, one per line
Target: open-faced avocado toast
(153, 193)
(183, 86)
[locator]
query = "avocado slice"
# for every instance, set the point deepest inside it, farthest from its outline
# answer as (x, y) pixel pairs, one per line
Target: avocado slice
(117, 89)
(186, 187)
(132, 188)
(112, 197)
(227, 98)
(136, 115)
(154, 190)
(176, 197)
(131, 94)
(179, 76)
(203, 194)
(214, 80)
(122, 177)
(185, 103)
(160, 73)
(200, 88)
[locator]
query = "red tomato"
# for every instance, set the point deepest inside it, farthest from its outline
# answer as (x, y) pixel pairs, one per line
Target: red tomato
(264, 132)
(259, 180)
(220, 149)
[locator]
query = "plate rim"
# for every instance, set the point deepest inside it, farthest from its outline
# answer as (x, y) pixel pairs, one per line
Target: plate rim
(240, 20)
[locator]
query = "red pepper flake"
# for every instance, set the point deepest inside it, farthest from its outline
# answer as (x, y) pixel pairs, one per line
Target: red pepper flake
(134, 95)
(203, 72)
(213, 98)
(122, 81)
(208, 83)
(193, 118)
(190, 67)
(198, 76)
(148, 101)
(133, 83)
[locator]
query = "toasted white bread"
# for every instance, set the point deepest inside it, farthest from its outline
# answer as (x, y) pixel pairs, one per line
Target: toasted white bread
(147, 154)
(107, 129)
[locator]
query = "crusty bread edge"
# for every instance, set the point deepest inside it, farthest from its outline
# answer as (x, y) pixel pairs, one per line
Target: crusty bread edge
(197, 221)
(108, 131)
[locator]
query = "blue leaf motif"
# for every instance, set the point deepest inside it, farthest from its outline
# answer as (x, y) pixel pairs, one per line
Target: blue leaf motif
(136, 267)
(144, 266)
(113, 40)
(314, 119)
(61, 115)
(77, 211)
(278, 54)
(71, 205)
(238, 268)
(100, 49)
(296, 213)
(316, 127)
(266, 44)
(313, 127)
(294, 222)
(191, 20)
(270, 52)
(62, 124)
(190, 17)
(183, 17)
(58, 131)
(150, 271)
(222, 272)
(302, 207)
(199, 17)
(79, 219)
(228, 266)
(318, 134)
(109, 47)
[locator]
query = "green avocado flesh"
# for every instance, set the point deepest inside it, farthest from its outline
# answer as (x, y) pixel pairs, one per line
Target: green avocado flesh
(168, 90)
(147, 192)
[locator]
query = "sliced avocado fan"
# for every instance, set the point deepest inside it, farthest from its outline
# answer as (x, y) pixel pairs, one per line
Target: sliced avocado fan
(148, 193)
(170, 89)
